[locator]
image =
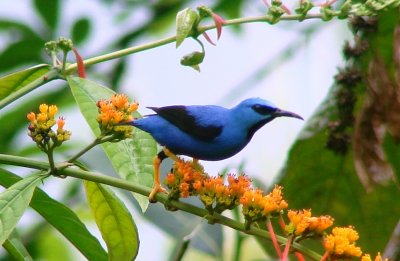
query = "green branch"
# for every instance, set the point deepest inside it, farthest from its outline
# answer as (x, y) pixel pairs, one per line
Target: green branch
(94, 143)
(201, 29)
(162, 198)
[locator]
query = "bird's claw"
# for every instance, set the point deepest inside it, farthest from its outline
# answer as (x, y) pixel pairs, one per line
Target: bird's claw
(156, 189)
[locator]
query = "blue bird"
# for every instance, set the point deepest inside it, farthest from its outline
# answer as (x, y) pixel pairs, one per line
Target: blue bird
(205, 132)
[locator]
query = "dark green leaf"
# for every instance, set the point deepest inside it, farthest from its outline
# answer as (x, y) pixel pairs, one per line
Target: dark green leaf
(61, 218)
(49, 11)
(185, 21)
(132, 158)
(20, 53)
(114, 222)
(15, 248)
(232, 9)
(80, 30)
(13, 203)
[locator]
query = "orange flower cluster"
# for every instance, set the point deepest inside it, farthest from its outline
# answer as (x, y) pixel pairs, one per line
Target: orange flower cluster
(302, 223)
(378, 257)
(189, 179)
(41, 123)
(113, 112)
(182, 178)
(341, 243)
(257, 206)
(213, 191)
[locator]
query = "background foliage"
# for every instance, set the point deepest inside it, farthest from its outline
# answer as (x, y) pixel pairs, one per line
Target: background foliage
(352, 181)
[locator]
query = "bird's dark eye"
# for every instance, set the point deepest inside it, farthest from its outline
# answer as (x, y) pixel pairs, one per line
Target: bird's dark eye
(262, 109)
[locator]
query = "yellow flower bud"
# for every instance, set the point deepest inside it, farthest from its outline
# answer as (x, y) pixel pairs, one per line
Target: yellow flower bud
(43, 108)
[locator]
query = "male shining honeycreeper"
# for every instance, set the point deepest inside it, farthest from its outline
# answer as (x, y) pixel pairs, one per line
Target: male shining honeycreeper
(205, 132)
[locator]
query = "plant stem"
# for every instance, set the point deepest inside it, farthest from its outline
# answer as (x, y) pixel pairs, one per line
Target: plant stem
(49, 152)
(51, 75)
(130, 50)
(122, 53)
(274, 238)
(238, 237)
(94, 143)
(258, 19)
(162, 198)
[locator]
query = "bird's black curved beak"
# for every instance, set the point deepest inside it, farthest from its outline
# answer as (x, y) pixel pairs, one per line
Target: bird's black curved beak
(283, 113)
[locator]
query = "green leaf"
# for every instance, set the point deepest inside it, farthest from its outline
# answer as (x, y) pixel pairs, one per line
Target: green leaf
(114, 221)
(80, 30)
(18, 54)
(22, 28)
(61, 218)
(15, 248)
(15, 81)
(194, 58)
(49, 11)
(13, 203)
(133, 158)
(185, 22)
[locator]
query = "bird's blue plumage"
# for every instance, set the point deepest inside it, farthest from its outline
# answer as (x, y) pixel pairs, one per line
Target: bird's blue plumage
(209, 132)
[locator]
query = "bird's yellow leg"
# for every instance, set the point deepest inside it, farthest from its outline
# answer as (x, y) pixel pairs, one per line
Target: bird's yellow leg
(157, 183)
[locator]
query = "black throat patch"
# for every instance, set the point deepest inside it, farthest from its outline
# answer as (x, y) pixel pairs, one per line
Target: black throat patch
(256, 127)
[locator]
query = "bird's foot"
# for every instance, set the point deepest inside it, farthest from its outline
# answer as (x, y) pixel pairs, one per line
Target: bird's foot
(157, 188)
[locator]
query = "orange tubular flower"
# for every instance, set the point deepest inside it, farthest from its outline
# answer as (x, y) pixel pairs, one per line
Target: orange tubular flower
(185, 179)
(341, 243)
(52, 111)
(274, 201)
(378, 257)
(320, 224)
(31, 117)
(60, 124)
(113, 112)
(256, 206)
(299, 221)
(302, 223)
(43, 108)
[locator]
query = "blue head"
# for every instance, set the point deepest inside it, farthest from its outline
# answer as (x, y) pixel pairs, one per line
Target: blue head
(253, 113)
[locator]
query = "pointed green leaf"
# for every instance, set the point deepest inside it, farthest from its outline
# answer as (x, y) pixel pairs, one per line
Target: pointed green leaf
(114, 221)
(185, 21)
(61, 218)
(15, 81)
(49, 11)
(15, 248)
(80, 30)
(13, 203)
(133, 158)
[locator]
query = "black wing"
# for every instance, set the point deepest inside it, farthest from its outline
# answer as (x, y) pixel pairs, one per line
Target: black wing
(180, 117)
